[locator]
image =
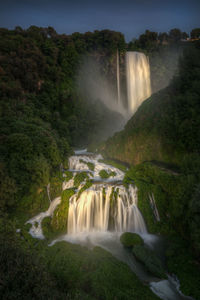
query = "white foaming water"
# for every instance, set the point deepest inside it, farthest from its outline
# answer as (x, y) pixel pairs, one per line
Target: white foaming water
(100, 215)
(68, 184)
(36, 229)
(118, 80)
(138, 80)
(169, 289)
(76, 164)
(104, 207)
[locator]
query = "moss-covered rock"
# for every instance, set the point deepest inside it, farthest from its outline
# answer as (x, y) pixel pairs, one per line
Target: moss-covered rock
(150, 260)
(104, 174)
(129, 239)
(79, 178)
(68, 175)
(87, 185)
(89, 164)
(59, 218)
(47, 228)
(56, 185)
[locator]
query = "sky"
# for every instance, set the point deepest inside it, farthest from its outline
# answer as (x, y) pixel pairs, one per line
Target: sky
(131, 17)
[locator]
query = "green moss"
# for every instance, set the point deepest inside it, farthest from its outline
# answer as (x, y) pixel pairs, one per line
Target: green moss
(27, 226)
(112, 211)
(59, 219)
(150, 260)
(56, 185)
(79, 178)
(85, 187)
(89, 164)
(129, 239)
(31, 204)
(104, 174)
(171, 193)
(48, 229)
(36, 224)
(69, 175)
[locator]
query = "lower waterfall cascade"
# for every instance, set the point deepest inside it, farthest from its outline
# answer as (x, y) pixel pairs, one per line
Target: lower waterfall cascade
(99, 215)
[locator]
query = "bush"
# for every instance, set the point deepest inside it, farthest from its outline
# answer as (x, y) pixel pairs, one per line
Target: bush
(129, 239)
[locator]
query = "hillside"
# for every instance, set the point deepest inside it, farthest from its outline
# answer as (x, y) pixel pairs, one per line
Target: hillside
(42, 115)
(166, 126)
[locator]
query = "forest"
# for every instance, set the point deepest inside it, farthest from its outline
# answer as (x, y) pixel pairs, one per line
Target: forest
(44, 118)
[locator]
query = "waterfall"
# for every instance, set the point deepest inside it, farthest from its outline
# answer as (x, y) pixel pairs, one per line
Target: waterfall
(118, 79)
(103, 208)
(107, 205)
(138, 80)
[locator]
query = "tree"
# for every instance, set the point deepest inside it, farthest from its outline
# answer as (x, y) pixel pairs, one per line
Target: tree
(195, 33)
(148, 40)
(175, 35)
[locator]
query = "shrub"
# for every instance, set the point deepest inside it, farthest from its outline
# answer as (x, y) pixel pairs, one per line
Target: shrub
(129, 239)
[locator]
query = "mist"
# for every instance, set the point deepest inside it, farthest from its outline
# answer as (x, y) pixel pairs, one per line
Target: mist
(94, 85)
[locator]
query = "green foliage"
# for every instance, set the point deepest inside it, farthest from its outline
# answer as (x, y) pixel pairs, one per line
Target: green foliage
(180, 261)
(195, 33)
(104, 174)
(8, 189)
(56, 182)
(69, 175)
(42, 115)
(48, 229)
(23, 273)
(165, 125)
(60, 216)
(129, 239)
(164, 184)
(87, 185)
(79, 178)
(150, 260)
(194, 219)
(89, 164)
(96, 272)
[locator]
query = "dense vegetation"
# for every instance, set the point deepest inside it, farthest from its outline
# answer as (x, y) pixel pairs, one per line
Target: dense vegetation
(161, 143)
(42, 114)
(43, 117)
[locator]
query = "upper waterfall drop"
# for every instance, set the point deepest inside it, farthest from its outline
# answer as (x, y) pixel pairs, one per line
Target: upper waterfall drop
(138, 80)
(118, 80)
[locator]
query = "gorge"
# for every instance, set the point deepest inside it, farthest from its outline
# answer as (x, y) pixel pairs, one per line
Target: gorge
(68, 215)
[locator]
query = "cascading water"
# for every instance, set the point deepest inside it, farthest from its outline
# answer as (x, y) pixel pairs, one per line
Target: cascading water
(138, 80)
(118, 80)
(104, 207)
(100, 214)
